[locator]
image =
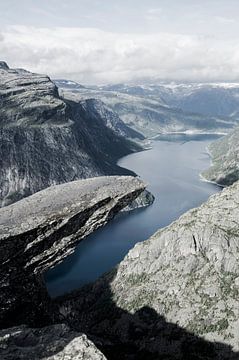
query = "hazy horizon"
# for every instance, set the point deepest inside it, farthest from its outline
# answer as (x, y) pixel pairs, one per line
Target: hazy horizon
(98, 42)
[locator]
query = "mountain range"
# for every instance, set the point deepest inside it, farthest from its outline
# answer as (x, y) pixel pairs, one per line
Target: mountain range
(175, 295)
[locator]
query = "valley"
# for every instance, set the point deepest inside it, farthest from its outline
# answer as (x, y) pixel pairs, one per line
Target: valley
(171, 168)
(157, 282)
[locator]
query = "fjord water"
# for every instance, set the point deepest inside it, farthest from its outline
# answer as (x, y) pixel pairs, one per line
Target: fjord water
(172, 169)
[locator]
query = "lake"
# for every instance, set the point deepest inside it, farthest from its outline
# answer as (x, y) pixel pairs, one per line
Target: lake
(172, 169)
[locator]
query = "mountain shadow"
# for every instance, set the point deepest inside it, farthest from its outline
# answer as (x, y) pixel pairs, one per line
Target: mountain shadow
(143, 335)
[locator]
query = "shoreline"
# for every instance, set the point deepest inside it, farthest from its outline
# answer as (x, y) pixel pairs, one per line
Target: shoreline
(188, 132)
(202, 178)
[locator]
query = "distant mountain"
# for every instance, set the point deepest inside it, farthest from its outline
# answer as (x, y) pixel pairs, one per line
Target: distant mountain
(48, 140)
(210, 99)
(68, 84)
(148, 112)
(207, 99)
(225, 160)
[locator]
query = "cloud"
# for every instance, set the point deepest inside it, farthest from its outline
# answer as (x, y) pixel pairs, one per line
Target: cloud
(95, 56)
(154, 14)
(224, 20)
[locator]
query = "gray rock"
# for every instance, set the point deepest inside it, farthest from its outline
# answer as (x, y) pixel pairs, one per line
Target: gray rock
(46, 140)
(145, 199)
(111, 118)
(3, 65)
(38, 232)
(225, 160)
(56, 342)
(28, 99)
(184, 280)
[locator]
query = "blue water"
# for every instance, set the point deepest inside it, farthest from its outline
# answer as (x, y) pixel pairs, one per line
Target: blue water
(171, 169)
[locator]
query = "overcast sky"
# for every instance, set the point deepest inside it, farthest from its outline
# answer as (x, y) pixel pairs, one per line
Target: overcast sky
(95, 41)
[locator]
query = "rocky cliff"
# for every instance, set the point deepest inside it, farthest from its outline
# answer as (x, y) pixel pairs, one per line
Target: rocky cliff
(225, 160)
(46, 140)
(174, 296)
(39, 231)
(56, 342)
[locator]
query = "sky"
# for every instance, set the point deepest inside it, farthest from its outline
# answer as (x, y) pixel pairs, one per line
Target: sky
(96, 42)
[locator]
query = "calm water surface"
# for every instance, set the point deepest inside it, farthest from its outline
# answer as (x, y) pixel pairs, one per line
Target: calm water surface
(171, 169)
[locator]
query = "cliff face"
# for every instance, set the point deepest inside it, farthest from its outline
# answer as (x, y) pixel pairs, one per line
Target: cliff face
(46, 140)
(225, 160)
(38, 232)
(173, 290)
(55, 342)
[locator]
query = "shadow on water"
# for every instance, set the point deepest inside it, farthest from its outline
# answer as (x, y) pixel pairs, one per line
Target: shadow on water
(143, 335)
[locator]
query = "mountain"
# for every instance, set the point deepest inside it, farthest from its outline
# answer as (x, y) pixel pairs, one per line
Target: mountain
(47, 140)
(208, 99)
(150, 114)
(215, 99)
(67, 84)
(174, 296)
(97, 108)
(225, 160)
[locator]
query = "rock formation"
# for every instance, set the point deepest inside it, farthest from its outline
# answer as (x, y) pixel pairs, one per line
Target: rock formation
(46, 140)
(39, 231)
(174, 295)
(225, 160)
(54, 342)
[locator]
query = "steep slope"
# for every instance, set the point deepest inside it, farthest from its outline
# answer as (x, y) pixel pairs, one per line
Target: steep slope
(225, 160)
(96, 108)
(46, 140)
(150, 115)
(38, 232)
(169, 292)
(56, 342)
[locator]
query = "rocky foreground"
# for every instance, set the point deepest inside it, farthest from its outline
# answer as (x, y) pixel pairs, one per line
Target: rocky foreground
(174, 296)
(225, 160)
(38, 232)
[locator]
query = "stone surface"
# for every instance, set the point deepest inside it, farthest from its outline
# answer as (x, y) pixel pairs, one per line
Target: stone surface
(143, 200)
(38, 232)
(176, 288)
(55, 342)
(46, 140)
(225, 160)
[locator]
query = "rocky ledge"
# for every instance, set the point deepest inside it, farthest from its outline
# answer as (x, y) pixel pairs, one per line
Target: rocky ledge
(38, 232)
(56, 342)
(28, 98)
(174, 296)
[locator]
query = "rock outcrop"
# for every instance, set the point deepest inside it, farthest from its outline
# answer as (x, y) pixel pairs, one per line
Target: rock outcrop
(46, 140)
(56, 342)
(38, 232)
(225, 160)
(174, 295)
(143, 200)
